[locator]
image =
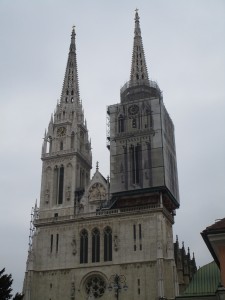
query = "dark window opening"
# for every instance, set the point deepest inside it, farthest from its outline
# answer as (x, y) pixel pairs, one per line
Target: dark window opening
(60, 187)
(83, 246)
(57, 242)
(140, 235)
(135, 155)
(51, 247)
(121, 124)
(107, 244)
(95, 245)
(139, 290)
(61, 145)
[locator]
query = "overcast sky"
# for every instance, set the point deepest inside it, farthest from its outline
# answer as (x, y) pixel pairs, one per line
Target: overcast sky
(184, 44)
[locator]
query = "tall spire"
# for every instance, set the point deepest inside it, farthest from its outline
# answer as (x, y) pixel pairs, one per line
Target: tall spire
(139, 73)
(70, 90)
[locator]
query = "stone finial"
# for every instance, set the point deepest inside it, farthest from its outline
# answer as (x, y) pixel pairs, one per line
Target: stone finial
(97, 166)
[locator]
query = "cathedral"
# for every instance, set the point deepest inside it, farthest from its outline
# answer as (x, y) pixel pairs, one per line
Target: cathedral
(96, 237)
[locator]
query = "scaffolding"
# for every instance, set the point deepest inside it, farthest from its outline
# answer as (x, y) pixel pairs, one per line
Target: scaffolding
(108, 128)
(34, 216)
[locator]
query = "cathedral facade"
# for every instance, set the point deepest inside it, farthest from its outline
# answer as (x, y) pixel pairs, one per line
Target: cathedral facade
(104, 238)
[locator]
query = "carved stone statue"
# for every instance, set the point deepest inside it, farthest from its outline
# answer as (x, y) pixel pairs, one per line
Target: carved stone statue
(74, 246)
(116, 243)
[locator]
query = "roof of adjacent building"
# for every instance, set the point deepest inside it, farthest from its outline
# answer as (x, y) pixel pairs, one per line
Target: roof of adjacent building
(217, 228)
(205, 281)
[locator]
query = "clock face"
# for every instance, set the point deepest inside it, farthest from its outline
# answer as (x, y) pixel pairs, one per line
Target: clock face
(61, 131)
(133, 109)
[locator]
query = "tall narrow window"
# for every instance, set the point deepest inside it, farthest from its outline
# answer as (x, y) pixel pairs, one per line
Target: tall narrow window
(121, 123)
(61, 145)
(139, 289)
(57, 242)
(137, 163)
(135, 158)
(134, 235)
(55, 191)
(134, 232)
(60, 187)
(58, 184)
(83, 246)
(140, 236)
(132, 158)
(51, 245)
(108, 244)
(95, 245)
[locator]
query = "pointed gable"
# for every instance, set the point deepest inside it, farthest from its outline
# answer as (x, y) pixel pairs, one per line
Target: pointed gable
(96, 193)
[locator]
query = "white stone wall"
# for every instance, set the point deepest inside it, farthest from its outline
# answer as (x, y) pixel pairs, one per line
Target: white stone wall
(56, 272)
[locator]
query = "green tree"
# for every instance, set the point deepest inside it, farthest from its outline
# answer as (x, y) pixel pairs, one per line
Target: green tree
(18, 296)
(5, 285)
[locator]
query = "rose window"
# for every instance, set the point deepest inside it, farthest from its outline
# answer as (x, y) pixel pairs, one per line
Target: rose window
(95, 286)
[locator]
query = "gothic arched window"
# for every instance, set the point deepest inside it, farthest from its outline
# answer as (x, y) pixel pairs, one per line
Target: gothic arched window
(83, 246)
(107, 244)
(95, 245)
(58, 184)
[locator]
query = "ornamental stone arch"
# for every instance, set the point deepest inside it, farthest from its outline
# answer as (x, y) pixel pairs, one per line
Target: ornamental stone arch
(94, 285)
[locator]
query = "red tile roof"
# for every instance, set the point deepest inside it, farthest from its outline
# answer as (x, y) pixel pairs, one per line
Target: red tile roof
(217, 226)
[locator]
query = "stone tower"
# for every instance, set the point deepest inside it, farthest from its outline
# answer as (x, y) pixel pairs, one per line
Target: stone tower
(66, 150)
(142, 144)
(90, 235)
